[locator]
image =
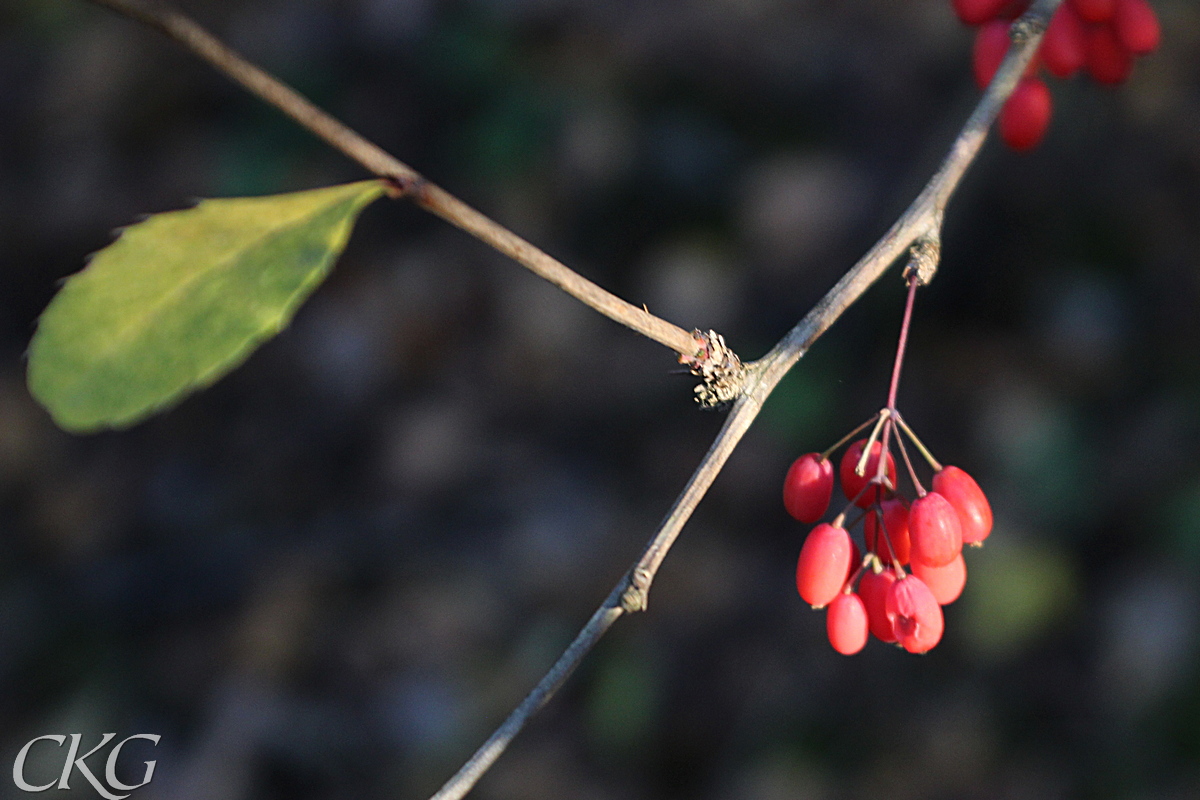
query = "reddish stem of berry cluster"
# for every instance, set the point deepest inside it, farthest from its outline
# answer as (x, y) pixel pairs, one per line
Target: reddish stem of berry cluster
(1102, 37)
(926, 534)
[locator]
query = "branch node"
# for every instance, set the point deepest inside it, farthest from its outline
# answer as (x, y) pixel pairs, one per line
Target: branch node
(1032, 23)
(637, 592)
(722, 374)
(923, 259)
(399, 186)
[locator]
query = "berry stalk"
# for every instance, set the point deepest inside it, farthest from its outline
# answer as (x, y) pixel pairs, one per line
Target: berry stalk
(902, 344)
(912, 473)
(830, 451)
(933, 462)
(890, 411)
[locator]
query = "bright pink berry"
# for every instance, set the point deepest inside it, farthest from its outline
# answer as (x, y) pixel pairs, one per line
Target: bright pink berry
(991, 44)
(1095, 10)
(975, 12)
(824, 563)
(873, 589)
(895, 525)
(1108, 61)
(1064, 47)
(946, 582)
(1026, 115)
(974, 511)
(934, 532)
(1136, 26)
(846, 623)
(915, 614)
(808, 487)
(852, 483)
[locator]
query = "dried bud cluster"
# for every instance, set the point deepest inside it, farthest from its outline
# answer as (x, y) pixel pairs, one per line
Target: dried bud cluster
(720, 370)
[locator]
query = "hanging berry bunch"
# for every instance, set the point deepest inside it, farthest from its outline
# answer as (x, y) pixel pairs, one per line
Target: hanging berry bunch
(875, 594)
(1102, 37)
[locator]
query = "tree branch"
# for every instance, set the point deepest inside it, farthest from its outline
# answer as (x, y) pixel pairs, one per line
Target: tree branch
(918, 230)
(407, 182)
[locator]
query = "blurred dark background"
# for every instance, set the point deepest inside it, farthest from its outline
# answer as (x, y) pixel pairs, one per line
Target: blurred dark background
(332, 574)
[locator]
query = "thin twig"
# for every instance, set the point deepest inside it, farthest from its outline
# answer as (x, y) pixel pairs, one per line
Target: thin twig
(922, 221)
(489, 751)
(628, 595)
(406, 181)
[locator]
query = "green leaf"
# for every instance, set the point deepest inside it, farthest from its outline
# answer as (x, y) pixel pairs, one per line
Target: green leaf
(179, 300)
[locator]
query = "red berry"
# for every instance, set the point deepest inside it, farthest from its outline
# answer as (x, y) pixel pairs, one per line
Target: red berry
(934, 532)
(1095, 10)
(991, 44)
(1137, 26)
(915, 614)
(846, 623)
(1064, 47)
(895, 525)
(808, 487)
(974, 511)
(873, 588)
(1108, 61)
(824, 564)
(1014, 9)
(1026, 115)
(853, 483)
(946, 582)
(974, 12)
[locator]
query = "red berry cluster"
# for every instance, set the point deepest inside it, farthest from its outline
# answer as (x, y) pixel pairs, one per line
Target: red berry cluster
(926, 534)
(1101, 36)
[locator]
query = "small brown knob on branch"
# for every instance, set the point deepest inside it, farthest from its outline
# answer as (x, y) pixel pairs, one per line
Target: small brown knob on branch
(721, 372)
